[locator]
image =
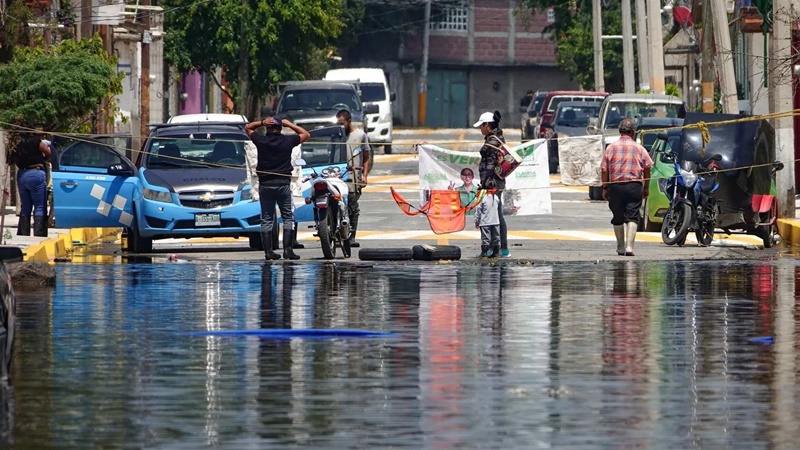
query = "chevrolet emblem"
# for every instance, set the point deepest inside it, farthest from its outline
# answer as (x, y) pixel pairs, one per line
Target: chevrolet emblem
(207, 197)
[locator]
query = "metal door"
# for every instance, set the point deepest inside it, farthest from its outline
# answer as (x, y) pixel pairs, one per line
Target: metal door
(447, 103)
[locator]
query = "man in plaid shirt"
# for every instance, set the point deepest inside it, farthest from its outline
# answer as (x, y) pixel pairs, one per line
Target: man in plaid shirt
(625, 171)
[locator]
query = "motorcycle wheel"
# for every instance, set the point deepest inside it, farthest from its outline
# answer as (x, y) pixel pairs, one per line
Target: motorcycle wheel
(767, 234)
(325, 236)
(346, 247)
(676, 224)
(705, 233)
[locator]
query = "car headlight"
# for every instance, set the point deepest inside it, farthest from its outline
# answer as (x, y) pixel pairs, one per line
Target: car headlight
(159, 196)
(247, 194)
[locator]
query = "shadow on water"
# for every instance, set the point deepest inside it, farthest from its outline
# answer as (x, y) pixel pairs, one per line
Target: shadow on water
(618, 355)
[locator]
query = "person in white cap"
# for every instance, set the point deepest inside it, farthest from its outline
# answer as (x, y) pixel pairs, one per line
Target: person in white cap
(489, 124)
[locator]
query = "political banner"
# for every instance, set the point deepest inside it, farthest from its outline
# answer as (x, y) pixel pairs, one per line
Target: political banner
(527, 188)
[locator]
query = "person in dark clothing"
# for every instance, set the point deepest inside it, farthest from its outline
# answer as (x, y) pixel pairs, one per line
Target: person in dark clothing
(526, 101)
(274, 169)
(489, 124)
(30, 157)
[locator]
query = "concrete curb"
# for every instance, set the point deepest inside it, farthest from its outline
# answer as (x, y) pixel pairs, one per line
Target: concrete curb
(63, 245)
(789, 229)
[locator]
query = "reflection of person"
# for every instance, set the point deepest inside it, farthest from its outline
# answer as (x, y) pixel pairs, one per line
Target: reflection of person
(489, 124)
(487, 218)
(358, 156)
(625, 171)
(30, 158)
(468, 190)
(274, 177)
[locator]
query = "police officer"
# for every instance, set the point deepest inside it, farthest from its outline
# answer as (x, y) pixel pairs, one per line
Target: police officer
(274, 178)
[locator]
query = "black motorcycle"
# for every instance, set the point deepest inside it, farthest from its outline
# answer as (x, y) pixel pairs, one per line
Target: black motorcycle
(692, 205)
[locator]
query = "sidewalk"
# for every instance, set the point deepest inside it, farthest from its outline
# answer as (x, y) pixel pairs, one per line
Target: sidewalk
(59, 242)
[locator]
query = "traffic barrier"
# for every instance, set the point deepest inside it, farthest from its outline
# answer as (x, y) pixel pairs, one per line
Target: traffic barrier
(64, 244)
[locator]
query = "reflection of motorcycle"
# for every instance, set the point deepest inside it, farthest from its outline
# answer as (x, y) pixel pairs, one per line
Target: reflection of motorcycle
(328, 195)
(691, 201)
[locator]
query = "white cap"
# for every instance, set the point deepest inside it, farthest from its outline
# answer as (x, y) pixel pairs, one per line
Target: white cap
(485, 118)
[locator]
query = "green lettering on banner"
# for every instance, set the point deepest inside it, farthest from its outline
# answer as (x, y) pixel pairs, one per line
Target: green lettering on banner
(433, 177)
(525, 174)
(526, 151)
(441, 158)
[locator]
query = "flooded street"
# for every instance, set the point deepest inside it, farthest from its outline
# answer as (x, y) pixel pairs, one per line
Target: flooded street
(608, 355)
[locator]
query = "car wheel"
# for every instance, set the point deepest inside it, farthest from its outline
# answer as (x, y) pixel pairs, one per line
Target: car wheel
(387, 149)
(135, 242)
(595, 193)
(255, 242)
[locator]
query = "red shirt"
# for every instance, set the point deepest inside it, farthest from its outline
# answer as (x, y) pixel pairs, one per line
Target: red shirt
(625, 160)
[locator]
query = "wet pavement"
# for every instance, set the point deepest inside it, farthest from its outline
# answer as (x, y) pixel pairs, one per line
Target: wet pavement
(620, 354)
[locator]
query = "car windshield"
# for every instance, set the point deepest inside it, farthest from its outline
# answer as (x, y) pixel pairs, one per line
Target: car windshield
(558, 99)
(537, 104)
(319, 100)
(576, 116)
(373, 92)
(634, 110)
(195, 150)
(323, 150)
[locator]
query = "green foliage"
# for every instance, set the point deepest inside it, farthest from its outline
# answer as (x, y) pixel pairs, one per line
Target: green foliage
(12, 31)
(672, 89)
(259, 42)
(572, 31)
(60, 88)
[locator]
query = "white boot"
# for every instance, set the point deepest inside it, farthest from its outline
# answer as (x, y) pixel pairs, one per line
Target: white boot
(630, 237)
(619, 233)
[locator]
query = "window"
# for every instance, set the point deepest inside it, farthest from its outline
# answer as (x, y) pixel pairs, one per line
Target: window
(373, 92)
(319, 100)
(453, 17)
(195, 151)
(86, 154)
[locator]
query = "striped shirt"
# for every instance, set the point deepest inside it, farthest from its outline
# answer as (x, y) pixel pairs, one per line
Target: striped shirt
(625, 160)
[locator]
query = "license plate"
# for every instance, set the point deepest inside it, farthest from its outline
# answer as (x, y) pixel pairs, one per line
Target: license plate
(207, 220)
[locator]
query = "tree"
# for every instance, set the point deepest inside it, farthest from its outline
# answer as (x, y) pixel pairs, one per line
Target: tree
(60, 88)
(13, 15)
(260, 42)
(572, 32)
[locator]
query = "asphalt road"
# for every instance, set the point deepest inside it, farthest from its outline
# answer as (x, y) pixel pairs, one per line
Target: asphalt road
(577, 230)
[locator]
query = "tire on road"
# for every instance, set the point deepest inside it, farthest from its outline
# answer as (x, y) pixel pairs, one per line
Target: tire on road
(440, 252)
(387, 149)
(595, 193)
(385, 254)
(255, 242)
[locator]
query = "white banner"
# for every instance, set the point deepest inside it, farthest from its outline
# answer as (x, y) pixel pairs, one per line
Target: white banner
(527, 188)
(579, 160)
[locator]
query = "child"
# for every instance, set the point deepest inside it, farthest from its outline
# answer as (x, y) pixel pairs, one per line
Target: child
(487, 218)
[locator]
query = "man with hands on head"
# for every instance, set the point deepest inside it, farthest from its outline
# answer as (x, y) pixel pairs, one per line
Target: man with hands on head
(274, 169)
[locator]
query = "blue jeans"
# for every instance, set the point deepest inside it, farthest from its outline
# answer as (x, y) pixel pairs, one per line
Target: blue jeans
(32, 184)
(269, 196)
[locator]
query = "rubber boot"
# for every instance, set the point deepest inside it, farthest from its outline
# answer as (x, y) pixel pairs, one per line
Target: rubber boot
(24, 226)
(353, 229)
(296, 244)
(276, 238)
(619, 233)
(40, 226)
(288, 237)
(630, 237)
(266, 241)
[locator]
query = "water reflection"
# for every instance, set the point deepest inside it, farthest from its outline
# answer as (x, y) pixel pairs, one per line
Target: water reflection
(617, 355)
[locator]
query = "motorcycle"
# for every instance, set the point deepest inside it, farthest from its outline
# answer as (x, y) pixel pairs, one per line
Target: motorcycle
(692, 205)
(328, 195)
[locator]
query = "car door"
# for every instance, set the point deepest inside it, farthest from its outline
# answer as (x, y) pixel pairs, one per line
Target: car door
(93, 186)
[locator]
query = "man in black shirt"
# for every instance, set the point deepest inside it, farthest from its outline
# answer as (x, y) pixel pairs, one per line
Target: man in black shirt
(274, 178)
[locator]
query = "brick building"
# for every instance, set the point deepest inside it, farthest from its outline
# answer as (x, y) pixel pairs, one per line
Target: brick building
(483, 55)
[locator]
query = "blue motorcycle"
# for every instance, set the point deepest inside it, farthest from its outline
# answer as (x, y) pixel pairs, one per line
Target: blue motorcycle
(692, 205)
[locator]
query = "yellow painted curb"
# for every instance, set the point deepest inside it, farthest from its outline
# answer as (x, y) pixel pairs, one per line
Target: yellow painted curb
(789, 229)
(63, 245)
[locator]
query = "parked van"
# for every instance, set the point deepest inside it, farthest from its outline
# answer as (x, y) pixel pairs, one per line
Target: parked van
(374, 90)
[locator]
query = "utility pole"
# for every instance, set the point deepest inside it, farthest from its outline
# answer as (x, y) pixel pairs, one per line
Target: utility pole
(641, 46)
(628, 62)
(597, 38)
(780, 100)
(707, 69)
(422, 102)
(86, 26)
(656, 43)
(144, 81)
(722, 35)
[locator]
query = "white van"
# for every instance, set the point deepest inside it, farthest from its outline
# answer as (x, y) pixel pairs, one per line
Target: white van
(374, 90)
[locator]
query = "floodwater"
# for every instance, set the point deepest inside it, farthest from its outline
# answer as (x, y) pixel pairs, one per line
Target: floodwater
(611, 355)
